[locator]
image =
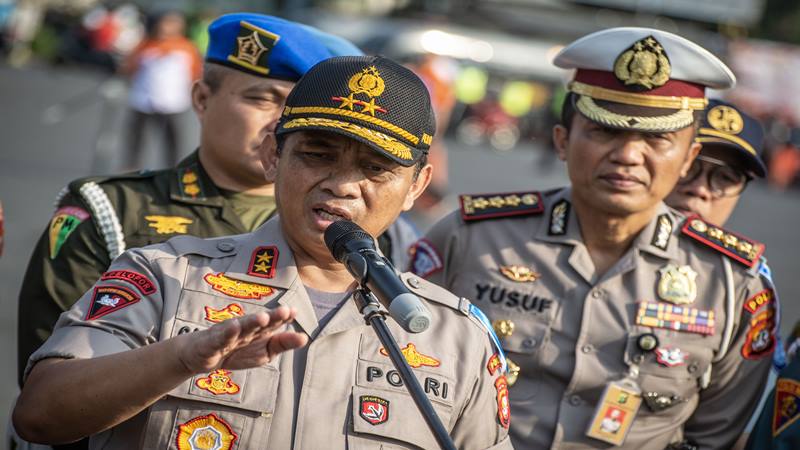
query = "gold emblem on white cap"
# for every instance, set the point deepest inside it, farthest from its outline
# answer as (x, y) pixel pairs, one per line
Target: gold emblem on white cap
(644, 64)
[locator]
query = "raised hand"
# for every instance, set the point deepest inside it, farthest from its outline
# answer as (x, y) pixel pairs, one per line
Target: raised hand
(240, 343)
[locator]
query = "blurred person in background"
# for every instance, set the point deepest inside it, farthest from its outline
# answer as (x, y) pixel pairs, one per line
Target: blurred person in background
(162, 69)
(732, 145)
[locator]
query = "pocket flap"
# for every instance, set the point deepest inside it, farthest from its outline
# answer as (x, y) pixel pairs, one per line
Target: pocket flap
(394, 415)
(252, 389)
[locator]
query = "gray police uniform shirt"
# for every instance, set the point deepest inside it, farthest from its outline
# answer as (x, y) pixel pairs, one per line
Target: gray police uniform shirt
(340, 391)
(569, 332)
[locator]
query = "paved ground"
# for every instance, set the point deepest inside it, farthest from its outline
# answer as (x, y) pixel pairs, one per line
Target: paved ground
(38, 157)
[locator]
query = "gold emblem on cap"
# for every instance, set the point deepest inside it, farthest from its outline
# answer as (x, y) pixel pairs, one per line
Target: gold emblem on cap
(251, 47)
(503, 328)
(520, 274)
(725, 119)
(644, 64)
(677, 284)
(368, 82)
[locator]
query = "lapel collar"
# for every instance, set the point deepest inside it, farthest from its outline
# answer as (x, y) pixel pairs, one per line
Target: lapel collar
(562, 227)
(191, 184)
(659, 237)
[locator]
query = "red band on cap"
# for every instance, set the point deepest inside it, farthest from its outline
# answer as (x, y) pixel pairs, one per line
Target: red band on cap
(677, 88)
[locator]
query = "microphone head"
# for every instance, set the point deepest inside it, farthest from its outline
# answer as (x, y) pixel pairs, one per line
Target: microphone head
(343, 232)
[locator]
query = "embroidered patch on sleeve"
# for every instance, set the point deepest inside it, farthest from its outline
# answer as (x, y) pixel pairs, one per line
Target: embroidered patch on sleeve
(494, 364)
(787, 405)
(205, 432)
(754, 303)
(425, 260)
(63, 223)
(503, 405)
(263, 262)
(142, 283)
(760, 340)
(108, 299)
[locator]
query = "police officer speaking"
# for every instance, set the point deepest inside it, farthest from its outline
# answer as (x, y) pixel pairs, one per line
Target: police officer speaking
(624, 322)
(185, 343)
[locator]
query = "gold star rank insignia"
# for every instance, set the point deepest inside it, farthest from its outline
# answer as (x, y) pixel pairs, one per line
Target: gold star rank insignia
(263, 262)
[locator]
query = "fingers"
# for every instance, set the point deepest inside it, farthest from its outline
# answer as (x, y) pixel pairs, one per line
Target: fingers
(282, 342)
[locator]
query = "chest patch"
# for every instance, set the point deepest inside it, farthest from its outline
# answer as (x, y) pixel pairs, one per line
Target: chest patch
(169, 224)
(235, 288)
(205, 432)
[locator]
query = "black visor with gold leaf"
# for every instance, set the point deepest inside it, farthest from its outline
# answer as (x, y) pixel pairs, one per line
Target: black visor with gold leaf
(368, 98)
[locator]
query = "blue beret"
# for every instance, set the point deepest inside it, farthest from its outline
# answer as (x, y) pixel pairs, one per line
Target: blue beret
(271, 47)
(726, 125)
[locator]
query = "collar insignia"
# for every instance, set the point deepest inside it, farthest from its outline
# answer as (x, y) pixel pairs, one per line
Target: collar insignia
(218, 382)
(263, 262)
(190, 183)
(205, 432)
(235, 288)
(677, 284)
(558, 219)
(414, 358)
(367, 82)
(520, 274)
(253, 46)
(169, 224)
(221, 315)
(644, 65)
(663, 232)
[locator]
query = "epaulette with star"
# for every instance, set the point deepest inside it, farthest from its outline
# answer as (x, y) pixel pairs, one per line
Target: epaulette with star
(735, 246)
(489, 206)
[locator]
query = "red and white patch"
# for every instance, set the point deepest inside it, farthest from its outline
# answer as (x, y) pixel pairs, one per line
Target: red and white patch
(142, 283)
(374, 410)
(107, 299)
(503, 405)
(760, 339)
(671, 357)
(425, 260)
(756, 302)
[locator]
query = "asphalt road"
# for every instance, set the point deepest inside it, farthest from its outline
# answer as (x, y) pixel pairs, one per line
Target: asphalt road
(42, 148)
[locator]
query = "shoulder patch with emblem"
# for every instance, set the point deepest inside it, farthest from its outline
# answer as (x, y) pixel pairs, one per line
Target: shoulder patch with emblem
(787, 405)
(735, 246)
(488, 206)
(142, 283)
(65, 220)
(108, 299)
(425, 260)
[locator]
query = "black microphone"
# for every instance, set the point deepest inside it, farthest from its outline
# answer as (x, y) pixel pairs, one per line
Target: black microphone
(355, 248)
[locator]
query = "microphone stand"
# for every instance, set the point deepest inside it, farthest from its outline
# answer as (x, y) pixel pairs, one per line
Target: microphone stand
(374, 315)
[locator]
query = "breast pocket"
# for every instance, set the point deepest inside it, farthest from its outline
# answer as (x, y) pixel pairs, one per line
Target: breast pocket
(671, 373)
(221, 409)
(383, 419)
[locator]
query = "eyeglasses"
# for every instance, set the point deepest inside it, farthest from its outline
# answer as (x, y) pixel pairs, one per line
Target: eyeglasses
(722, 179)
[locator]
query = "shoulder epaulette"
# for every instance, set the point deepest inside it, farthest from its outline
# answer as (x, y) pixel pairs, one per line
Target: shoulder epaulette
(488, 206)
(735, 246)
(211, 247)
(434, 292)
(75, 185)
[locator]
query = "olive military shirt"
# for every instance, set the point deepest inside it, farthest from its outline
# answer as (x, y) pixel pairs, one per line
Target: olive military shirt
(339, 391)
(138, 209)
(569, 332)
